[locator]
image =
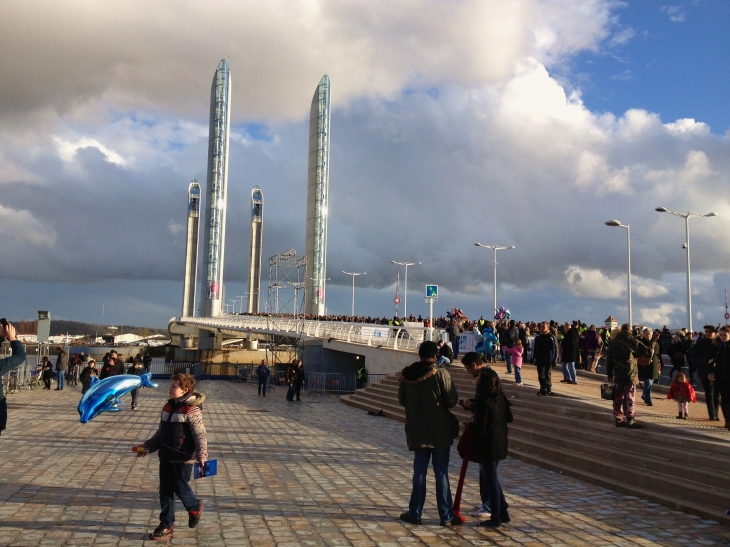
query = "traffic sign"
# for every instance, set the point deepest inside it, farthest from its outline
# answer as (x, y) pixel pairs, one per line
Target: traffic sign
(727, 315)
(396, 300)
(432, 291)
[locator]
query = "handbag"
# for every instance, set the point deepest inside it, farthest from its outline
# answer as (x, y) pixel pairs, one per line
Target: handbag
(643, 361)
(608, 392)
(466, 443)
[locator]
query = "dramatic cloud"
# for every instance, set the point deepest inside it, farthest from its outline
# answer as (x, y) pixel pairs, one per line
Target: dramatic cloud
(448, 128)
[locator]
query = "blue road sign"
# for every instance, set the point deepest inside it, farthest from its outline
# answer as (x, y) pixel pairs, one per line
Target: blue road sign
(432, 291)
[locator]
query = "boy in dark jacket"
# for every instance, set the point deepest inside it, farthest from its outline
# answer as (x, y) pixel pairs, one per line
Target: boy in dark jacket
(180, 439)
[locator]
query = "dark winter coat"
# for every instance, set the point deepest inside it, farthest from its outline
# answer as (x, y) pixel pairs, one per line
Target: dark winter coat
(62, 362)
(677, 353)
(447, 352)
(569, 345)
(544, 350)
(16, 359)
(621, 362)
(721, 365)
(491, 416)
(651, 371)
(427, 393)
(181, 436)
(702, 352)
(114, 367)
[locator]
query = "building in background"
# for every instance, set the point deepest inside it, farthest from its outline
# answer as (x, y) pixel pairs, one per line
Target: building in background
(216, 190)
(317, 199)
(44, 326)
(257, 238)
(191, 250)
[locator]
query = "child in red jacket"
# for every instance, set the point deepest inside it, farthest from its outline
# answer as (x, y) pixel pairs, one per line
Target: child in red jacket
(682, 392)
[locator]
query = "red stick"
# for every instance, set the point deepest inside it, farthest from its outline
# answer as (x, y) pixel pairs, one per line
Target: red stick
(460, 487)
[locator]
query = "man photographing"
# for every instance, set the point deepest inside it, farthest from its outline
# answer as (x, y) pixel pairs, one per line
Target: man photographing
(9, 363)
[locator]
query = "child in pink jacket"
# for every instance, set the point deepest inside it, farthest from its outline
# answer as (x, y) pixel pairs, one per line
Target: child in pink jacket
(516, 353)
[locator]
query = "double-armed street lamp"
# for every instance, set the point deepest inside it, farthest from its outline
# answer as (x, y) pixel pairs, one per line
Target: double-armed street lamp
(495, 248)
(353, 274)
(617, 224)
(686, 215)
(405, 293)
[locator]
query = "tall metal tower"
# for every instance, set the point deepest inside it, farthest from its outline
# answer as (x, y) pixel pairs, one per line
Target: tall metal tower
(216, 194)
(191, 250)
(257, 238)
(317, 198)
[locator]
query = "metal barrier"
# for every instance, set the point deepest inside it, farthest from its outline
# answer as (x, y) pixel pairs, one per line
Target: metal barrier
(374, 379)
(331, 382)
(166, 370)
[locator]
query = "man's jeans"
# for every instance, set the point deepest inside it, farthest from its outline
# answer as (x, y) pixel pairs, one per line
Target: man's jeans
(569, 372)
(174, 479)
(508, 360)
(421, 458)
(290, 393)
(61, 379)
(262, 383)
(646, 395)
(455, 347)
(484, 488)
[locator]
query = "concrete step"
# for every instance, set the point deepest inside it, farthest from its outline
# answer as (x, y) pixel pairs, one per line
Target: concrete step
(621, 485)
(600, 448)
(663, 487)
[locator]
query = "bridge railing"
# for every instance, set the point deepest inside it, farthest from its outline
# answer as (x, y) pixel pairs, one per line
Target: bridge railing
(386, 336)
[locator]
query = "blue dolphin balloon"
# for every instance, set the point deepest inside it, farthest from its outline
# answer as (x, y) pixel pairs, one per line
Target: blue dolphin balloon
(103, 395)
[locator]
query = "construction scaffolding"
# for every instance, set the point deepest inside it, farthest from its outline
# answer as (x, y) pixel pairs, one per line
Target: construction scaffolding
(287, 279)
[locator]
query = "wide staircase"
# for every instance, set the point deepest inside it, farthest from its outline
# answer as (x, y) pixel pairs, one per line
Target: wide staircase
(680, 468)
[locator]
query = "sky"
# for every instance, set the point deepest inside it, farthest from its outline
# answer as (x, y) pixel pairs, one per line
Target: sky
(525, 123)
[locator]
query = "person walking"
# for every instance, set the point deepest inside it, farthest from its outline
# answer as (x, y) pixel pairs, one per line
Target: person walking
(569, 354)
(491, 415)
(427, 393)
(47, 372)
(648, 365)
(87, 374)
(298, 379)
(291, 375)
(137, 369)
(147, 361)
(623, 372)
(591, 347)
(262, 373)
(720, 375)
(113, 366)
(703, 352)
(515, 353)
(61, 368)
(676, 355)
(544, 355)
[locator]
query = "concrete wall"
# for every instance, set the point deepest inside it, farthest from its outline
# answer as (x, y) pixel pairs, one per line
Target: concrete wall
(239, 356)
(344, 357)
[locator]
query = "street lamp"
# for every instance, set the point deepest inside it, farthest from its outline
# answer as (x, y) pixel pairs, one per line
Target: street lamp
(617, 224)
(686, 215)
(495, 248)
(405, 293)
(353, 274)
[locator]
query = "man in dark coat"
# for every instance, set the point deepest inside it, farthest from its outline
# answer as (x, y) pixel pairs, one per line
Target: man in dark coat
(703, 352)
(545, 354)
(454, 331)
(569, 354)
(427, 393)
(6, 365)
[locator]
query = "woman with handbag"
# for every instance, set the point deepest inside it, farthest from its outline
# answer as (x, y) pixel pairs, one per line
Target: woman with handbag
(491, 415)
(649, 364)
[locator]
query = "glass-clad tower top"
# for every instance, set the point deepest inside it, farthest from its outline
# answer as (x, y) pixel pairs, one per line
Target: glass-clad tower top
(317, 198)
(217, 189)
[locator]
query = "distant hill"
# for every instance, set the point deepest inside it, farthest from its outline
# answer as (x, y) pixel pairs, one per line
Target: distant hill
(76, 328)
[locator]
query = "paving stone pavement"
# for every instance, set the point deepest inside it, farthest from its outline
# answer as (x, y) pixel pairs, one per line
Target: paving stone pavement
(311, 473)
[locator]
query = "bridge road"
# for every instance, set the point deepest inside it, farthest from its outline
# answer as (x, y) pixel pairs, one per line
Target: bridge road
(311, 473)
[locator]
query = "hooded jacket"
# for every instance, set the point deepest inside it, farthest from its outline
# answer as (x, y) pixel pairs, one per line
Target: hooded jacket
(427, 393)
(181, 436)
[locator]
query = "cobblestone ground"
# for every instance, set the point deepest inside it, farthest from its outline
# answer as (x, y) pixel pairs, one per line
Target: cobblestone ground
(310, 473)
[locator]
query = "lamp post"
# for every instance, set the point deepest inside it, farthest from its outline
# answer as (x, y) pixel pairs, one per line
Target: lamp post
(241, 297)
(353, 274)
(405, 293)
(616, 223)
(686, 215)
(495, 248)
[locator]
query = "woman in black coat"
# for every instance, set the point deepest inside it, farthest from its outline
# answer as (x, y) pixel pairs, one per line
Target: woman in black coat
(47, 373)
(491, 415)
(720, 375)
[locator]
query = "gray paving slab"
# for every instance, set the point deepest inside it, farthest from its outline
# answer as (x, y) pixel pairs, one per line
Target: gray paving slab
(311, 473)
